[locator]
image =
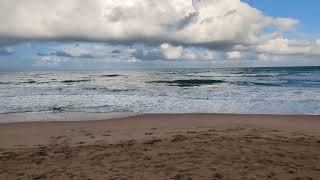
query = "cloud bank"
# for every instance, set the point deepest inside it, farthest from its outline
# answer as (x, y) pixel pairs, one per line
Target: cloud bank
(171, 25)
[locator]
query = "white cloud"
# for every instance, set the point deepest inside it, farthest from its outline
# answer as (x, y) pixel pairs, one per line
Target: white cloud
(169, 28)
(283, 46)
(234, 55)
(172, 52)
(285, 24)
(177, 52)
(204, 23)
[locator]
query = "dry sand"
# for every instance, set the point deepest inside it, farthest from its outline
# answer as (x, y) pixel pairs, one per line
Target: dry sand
(164, 146)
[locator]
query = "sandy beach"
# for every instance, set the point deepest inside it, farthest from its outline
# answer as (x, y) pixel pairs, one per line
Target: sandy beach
(163, 146)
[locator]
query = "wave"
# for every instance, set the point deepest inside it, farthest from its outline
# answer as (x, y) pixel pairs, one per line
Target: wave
(47, 82)
(18, 83)
(57, 109)
(75, 81)
(111, 75)
(201, 82)
(285, 83)
(257, 75)
(29, 82)
(190, 82)
(109, 90)
(5, 83)
(232, 76)
(249, 83)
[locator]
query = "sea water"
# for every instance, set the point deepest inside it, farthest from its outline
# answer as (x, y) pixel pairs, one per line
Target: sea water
(294, 90)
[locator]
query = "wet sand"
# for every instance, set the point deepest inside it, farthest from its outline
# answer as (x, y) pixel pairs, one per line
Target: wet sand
(164, 146)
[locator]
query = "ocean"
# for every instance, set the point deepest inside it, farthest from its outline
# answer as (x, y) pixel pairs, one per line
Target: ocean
(294, 90)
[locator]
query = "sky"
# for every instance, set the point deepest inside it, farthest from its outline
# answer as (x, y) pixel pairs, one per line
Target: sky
(141, 34)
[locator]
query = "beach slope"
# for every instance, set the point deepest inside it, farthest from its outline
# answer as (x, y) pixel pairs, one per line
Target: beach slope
(164, 146)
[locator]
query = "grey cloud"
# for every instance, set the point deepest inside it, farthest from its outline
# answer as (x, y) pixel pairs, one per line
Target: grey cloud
(4, 51)
(184, 22)
(7, 42)
(169, 52)
(230, 13)
(68, 55)
(116, 51)
(148, 55)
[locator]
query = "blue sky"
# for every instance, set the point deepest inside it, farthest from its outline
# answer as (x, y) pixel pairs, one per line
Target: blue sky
(180, 34)
(306, 11)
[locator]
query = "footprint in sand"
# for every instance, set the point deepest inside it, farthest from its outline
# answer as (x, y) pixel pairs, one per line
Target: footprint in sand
(217, 176)
(178, 138)
(153, 141)
(191, 132)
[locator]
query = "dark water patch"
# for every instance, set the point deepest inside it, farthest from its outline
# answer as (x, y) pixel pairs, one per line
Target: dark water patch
(57, 109)
(200, 76)
(248, 83)
(25, 82)
(75, 81)
(190, 82)
(109, 90)
(111, 75)
(5, 83)
(46, 82)
(286, 83)
(303, 83)
(119, 90)
(232, 75)
(274, 71)
(257, 75)
(30, 82)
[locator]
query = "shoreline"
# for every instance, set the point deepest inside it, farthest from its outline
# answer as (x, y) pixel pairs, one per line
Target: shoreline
(34, 117)
(8, 118)
(164, 146)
